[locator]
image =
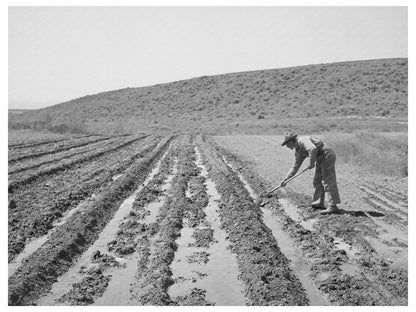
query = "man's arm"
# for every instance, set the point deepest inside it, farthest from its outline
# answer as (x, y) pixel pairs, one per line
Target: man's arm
(298, 162)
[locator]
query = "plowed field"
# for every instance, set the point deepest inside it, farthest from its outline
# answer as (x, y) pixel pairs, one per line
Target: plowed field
(151, 220)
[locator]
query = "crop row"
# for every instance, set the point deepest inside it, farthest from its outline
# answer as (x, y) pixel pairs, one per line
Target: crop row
(265, 271)
(318, 246)
(130, 243)
(67, 243)
(43, 142)
(154, 274)
(28, 177)
(53, 148)
(38, 205)
(47, 159)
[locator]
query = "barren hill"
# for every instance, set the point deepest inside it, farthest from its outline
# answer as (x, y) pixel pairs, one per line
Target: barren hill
(367, 89)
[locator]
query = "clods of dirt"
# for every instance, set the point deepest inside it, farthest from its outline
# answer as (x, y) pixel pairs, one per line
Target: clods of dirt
(95, 281)
(203, 237)
(198, 257)
(196, 297)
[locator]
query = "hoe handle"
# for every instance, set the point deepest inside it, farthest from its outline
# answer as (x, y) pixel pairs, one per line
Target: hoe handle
(288, 180)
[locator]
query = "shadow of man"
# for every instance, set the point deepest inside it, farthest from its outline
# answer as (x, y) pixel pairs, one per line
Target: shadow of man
(359, 213)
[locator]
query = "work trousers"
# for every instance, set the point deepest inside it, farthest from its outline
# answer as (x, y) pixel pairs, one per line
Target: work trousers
(325, 180)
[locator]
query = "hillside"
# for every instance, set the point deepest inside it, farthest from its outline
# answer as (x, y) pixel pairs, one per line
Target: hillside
(245, 100)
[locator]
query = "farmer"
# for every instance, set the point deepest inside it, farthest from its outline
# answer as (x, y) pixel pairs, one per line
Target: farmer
(323, 158)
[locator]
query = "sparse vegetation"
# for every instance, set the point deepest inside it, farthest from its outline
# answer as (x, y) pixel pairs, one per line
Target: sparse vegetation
(47, 123)
(385, 153)
(116, 213)
(374, 88)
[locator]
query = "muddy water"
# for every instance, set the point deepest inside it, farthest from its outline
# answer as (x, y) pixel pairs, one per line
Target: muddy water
(246, 185)
(391, 244)
(36, 243)
(292, 212)
(290, 209)
(352, 253)
(219, 276)
(64, 283)
(118, 290)
(30, 248)
(298, 263)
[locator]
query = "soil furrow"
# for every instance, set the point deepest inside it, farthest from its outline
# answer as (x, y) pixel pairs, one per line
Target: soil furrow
(25, 221)
(343, 280)
(43, 142)
(30, 164)
(393, 196)
(132, 237)
(388, 216)
(204, 270)
(30, 177)
(154, 275)
(384, 201)
(265, 271)
(32, 154)
(35, 277)
(81, 284)
(299, 264)
(146, 220)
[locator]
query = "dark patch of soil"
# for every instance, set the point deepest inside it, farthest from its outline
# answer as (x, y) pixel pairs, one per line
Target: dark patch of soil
(86, 291)
(94, 283)
(375, 283)
(203, 237)
(199, 257)
(197, 202)
(265, 271)
(196, 297)
(36, 206)
(36, 275)
(155, 274)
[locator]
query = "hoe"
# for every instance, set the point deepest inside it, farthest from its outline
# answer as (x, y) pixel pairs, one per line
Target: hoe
(259, 200)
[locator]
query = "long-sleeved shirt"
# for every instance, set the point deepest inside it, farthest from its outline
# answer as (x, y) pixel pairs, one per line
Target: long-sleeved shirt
(305, 147)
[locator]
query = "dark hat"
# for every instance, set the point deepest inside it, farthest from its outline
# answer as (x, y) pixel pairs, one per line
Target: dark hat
(289, 136)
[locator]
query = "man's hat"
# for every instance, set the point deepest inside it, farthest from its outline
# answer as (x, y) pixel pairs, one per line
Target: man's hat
(289, 136)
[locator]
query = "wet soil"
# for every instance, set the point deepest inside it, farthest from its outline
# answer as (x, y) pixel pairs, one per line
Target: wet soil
(177, 224)
(154, 273)
(34, 208)
(94, 282)
(40, 270)
(203, 259)
(346, 267)
(265, 271)
(118, 240)
(15, 155)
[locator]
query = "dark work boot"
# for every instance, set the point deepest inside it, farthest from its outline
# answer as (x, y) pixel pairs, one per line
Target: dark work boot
(318, 204)
(330, 210)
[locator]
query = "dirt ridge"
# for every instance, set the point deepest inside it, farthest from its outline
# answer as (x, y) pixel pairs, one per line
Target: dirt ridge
(41, 223)
(43, 142)
(154, 280)
(266, 273)
(54, 151)
(376, 283)
(41, 269)
(29, 178)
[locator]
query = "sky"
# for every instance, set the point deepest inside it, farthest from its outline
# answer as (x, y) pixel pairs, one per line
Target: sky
(56, 54)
